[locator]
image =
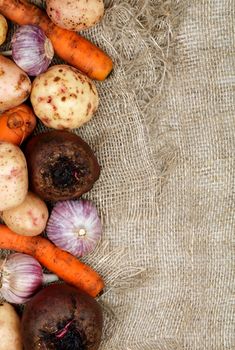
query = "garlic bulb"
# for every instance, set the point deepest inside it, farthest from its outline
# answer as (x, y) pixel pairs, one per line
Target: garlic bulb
(20, 277)
(32, 51)
(74, 226)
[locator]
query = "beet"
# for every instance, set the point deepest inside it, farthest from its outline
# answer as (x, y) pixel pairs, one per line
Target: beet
(61, 317)
(61, 165)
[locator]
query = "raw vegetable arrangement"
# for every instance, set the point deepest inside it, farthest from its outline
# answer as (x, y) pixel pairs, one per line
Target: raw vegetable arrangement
(45, 222)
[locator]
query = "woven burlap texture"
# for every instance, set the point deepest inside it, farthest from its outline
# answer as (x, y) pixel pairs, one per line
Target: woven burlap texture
(164, 136)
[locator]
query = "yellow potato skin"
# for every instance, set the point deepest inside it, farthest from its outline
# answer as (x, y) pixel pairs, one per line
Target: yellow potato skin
(29, 218)
(10, 334)
(64, 98)
(75, 15)
(15, 85)
(13, 176)
(3, 29)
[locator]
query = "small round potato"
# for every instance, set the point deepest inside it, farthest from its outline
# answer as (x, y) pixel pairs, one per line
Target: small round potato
(15, 85)
(3, 29)
(10, 333)
(29, 218)
(13, 176)
(64, 98)
(75, 14)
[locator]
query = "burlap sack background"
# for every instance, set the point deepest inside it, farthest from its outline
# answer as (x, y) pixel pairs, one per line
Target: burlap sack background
(164, 135)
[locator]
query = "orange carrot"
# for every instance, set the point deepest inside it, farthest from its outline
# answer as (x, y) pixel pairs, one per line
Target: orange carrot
(17, 124)
(73, 48)
(63, 264)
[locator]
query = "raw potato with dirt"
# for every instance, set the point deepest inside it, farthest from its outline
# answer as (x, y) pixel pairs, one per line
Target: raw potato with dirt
(75, 15)
(64, 98)
(3, 29)
(29, 218)
(13, 176)
(15, 85)
(10, 334)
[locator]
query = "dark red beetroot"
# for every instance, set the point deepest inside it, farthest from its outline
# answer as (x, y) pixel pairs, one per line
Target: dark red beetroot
(61, 165)
(61, 317)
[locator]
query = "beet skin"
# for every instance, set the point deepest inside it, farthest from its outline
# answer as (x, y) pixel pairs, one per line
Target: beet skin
(61, 165)
(61, 317)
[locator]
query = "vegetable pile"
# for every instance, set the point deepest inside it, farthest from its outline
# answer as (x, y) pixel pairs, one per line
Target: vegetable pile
(46, 223)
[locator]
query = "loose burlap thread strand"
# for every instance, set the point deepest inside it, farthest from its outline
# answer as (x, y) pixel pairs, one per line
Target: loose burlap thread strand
(164, 136)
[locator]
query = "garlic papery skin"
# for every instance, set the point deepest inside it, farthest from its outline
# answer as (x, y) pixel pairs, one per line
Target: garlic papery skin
(75, 226)
(20, 277)
(32, 51)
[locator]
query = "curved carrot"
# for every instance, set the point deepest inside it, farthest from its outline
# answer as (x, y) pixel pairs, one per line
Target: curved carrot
(17, 124)
(70, 46)
(63, 264)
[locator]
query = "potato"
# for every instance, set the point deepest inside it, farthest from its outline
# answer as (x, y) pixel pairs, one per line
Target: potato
(29, 218)
(13, 176)
(64, 98)
(75, 15)
(15, 85)
(3, 29)
(10, 333)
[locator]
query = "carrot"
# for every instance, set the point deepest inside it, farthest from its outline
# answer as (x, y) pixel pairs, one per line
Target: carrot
(71, 47)
(63, 264)
(17, 124)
